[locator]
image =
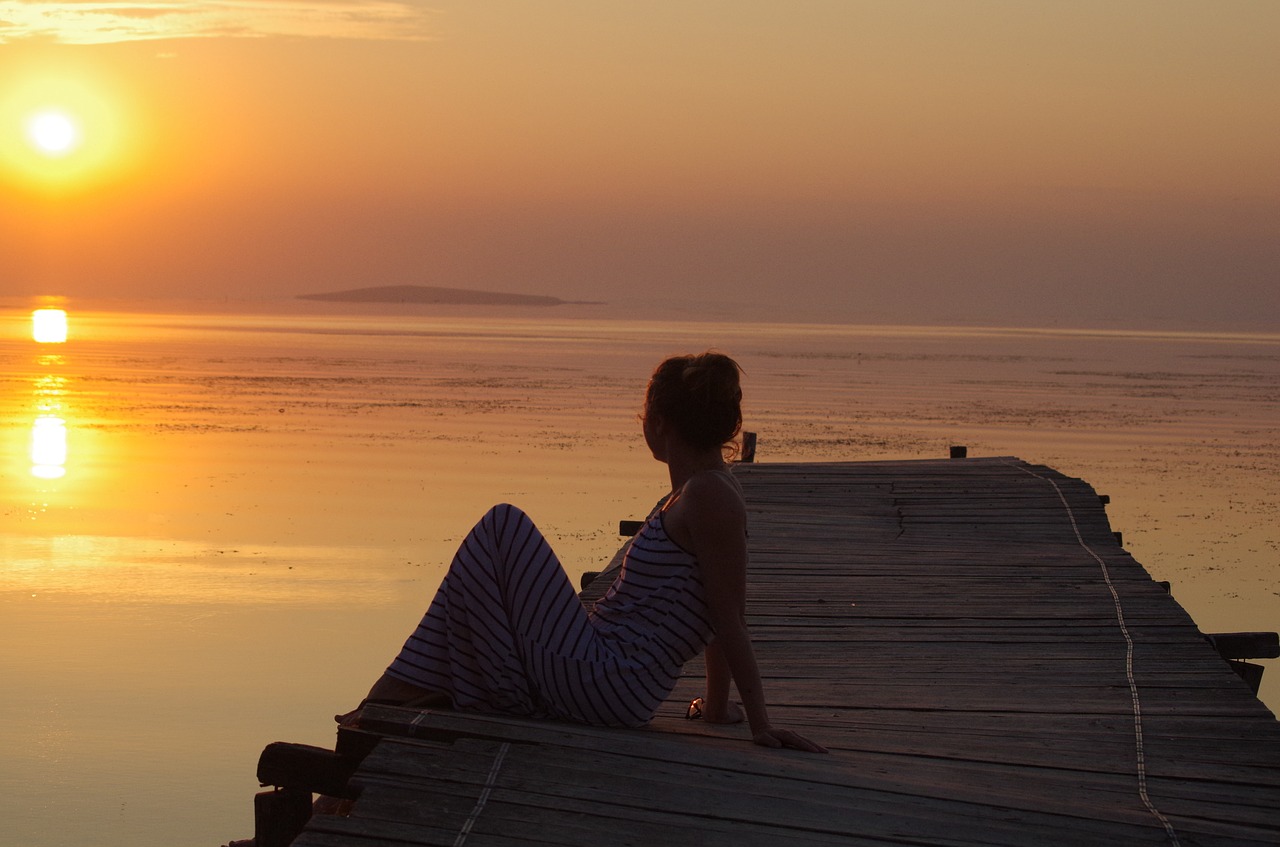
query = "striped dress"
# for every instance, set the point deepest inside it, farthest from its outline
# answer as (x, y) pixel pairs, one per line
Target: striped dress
(507, 633)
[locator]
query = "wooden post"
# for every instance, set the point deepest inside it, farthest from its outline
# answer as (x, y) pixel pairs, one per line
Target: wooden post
(298, 771)
(959, 451)
(1249, 672)
(279, 815)
(629, 528)
(303, 766)
(1235, 647)
(1246, 645)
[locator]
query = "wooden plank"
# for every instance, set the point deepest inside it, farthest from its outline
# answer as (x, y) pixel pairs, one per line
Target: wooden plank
(626, 786)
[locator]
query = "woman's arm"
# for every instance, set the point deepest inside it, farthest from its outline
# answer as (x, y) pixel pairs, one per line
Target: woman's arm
(715, 519)
(716, 705)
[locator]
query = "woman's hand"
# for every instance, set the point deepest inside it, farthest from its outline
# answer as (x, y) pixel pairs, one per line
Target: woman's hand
(778, 738)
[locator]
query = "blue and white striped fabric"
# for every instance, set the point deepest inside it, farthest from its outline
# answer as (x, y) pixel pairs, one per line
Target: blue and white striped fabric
(506, 632)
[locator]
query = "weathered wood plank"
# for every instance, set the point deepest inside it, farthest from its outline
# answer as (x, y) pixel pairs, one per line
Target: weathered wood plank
(628, 787)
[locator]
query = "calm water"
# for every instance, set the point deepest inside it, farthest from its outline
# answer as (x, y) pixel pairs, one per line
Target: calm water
(217, 528)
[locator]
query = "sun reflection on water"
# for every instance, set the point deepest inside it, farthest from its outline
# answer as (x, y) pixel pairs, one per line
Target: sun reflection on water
(50, 388)
(49, 430)
(49, 326)
(49, 447)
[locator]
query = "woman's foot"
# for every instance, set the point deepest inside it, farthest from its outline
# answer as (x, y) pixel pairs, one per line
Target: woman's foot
(388, 691)
(433, 700)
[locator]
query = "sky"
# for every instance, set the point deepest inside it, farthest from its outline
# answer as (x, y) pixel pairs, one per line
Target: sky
(991, 161)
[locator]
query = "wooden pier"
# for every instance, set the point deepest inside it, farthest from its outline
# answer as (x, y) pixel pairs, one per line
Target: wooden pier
(985, 661)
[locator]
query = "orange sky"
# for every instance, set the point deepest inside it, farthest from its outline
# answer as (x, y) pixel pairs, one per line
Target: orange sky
(862, 161)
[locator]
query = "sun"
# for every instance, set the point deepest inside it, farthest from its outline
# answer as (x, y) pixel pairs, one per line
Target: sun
(53, 132)
(65, 130)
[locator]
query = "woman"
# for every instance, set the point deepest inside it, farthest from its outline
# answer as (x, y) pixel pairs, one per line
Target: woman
(506, 632)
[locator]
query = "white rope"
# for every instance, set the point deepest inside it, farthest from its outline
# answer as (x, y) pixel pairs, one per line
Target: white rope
(484, 796)
(1128, 659)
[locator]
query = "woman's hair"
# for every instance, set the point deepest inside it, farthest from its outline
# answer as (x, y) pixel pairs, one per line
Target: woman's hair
(700, 396)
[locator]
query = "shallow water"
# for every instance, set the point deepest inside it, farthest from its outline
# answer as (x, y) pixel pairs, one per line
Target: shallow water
(253, 509)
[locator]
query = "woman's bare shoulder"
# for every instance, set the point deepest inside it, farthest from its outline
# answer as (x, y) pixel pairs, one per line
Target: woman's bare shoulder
(713, 481)
(714, 491)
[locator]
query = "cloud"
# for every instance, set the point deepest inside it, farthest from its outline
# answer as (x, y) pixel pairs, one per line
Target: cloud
(104, 22)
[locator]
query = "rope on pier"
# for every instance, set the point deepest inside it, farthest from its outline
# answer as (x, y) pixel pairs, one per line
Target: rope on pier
(484, 795)
(1128, 659)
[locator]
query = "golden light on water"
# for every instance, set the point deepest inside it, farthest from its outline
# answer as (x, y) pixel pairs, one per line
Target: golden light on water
(49, 326)
(49, 431)
(50, 389)
(49, 447)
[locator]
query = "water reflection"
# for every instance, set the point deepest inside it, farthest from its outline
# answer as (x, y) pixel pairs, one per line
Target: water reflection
(49, 326)
(49, 447)
(49, 430)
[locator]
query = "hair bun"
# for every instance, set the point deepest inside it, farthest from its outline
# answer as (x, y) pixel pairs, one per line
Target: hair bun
(701, 396)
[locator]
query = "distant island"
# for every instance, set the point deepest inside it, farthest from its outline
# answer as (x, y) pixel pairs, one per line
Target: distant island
(435, 295)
